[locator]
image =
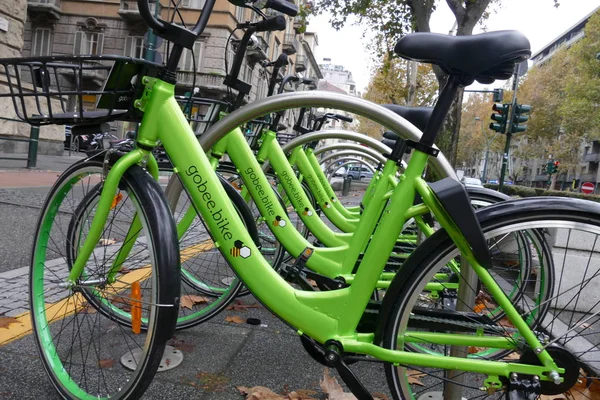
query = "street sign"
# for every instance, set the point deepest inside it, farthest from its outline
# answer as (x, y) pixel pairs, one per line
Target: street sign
(587, 188)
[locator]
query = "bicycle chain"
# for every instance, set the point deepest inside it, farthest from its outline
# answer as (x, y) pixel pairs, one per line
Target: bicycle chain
(473, 325)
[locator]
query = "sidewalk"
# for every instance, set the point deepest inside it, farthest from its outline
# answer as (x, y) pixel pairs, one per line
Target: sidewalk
(218, 355)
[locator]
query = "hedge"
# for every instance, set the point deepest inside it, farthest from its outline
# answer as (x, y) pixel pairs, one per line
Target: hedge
(525, 191)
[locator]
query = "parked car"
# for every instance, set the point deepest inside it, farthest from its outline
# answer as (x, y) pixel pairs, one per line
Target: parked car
(340, 172)
(359, 173)
(473, 182)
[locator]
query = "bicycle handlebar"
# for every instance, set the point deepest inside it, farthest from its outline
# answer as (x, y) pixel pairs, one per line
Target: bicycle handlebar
(276, 23)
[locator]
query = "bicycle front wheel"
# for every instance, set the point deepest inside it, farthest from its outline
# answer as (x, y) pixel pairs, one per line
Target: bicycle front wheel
(90, 345)
(562, 244)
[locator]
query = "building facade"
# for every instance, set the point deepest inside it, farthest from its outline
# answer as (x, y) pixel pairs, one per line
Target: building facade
(80, 27)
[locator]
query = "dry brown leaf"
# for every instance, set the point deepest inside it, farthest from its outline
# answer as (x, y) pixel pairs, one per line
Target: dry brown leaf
(302, 394)
(235, 319)
(380, 396)
(106, 363)
(305, 394)
(312, 283)
(331, 387)
(475, 349)
(189, 300)
(413, 377)
(513, 356)
(181, 345)
(106, 242)
(6, 321)
(239, 305)
(259, 393)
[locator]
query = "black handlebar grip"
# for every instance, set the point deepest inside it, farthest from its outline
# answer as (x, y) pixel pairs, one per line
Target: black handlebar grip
(283, 6)
(276, 23)
(281, 61)
(343, 118)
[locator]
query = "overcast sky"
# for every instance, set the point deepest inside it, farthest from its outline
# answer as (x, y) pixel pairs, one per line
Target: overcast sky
(539, 20)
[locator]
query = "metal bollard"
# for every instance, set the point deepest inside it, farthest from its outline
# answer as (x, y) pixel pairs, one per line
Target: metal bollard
(34, 136)
(346, 186)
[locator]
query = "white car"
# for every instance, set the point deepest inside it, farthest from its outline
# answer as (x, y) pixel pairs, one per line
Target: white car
(468, 181)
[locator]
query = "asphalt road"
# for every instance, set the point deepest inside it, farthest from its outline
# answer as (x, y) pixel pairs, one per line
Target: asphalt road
(19, 211)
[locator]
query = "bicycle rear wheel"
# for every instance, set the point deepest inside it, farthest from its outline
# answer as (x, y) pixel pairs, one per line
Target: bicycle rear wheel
(567, 320)
(77, 326)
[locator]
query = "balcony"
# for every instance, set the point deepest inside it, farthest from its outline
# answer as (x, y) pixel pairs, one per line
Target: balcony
(290, 44)
(258, 52)
(48, 8)
(128, 10)
(203, 80)
(301, 62)
(591, 157)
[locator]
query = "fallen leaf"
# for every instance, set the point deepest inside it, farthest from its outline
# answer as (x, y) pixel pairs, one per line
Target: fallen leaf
(474, 349)
(513, 356)
(302, 394)
(235, 319)
(380, 396)
(212, 382)
(189, 300)
(181, 345)
(239, 305)
(413, 377)
(167, 362)
(331, 387)
(6, 321)
(259, 393)
(106, 242)
(312, 283)
(106, 363)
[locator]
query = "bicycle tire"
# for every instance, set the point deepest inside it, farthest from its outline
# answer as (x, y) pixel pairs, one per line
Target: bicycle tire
(566, 230)
(55, 309)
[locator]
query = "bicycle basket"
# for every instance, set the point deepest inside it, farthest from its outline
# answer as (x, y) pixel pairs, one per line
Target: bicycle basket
(74, 90)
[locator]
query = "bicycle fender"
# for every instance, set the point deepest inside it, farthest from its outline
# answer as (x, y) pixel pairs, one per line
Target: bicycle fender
(453, 196)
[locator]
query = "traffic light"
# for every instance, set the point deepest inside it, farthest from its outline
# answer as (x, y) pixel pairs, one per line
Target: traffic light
(521, 116)
(555, 166)
(549, 167)
(498, 95)
(500, 117)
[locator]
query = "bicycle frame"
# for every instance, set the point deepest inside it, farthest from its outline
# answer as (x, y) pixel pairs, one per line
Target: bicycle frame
(321, 315)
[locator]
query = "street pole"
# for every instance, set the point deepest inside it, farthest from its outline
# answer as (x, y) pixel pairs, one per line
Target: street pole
(149, 53)
(509, 127)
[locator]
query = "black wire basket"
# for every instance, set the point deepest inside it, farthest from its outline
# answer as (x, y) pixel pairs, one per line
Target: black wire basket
(75, 90)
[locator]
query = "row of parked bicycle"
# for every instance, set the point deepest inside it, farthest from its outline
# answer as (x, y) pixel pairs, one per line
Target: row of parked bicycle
(479, 295)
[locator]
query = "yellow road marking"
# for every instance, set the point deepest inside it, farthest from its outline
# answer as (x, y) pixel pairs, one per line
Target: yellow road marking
(66, 307)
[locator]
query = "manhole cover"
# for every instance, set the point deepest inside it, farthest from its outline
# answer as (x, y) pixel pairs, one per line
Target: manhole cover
(170, 359)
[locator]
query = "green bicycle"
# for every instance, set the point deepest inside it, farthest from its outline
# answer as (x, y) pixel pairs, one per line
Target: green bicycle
(551, 358)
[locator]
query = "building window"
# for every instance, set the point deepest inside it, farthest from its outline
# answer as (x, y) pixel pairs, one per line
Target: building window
(239, 13)
(186, 63)
(248, 73)
(88, 43)
(41, 42)
(193, 3)
(134, 46)
(275, 50)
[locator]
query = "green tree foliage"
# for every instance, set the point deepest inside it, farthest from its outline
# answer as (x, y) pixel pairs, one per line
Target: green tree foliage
(565, 93)
(388, 20)
(389, 84)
